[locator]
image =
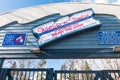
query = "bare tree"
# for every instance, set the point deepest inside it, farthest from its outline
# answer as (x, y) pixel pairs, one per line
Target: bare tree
(42, 63)
(13, 65)
(79, 64)
(111, 64)
(63, 67)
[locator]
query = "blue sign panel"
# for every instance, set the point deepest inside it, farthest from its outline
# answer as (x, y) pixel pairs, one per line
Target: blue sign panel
(109, 37)
(14, 39)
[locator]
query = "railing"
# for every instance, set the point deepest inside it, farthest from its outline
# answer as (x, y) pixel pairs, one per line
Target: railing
(111, 74)
(76, 75)
(88, 75)
(50, 74)
(26, 74)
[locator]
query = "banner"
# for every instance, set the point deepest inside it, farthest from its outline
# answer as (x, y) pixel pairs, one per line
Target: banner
(65, 25)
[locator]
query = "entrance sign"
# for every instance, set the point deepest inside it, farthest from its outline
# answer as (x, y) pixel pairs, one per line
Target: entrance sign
(65, 25)
(14, 39)
(109, 37)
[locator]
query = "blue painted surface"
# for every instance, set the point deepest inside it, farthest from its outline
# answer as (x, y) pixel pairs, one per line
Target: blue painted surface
(109, 37)
(14, 39)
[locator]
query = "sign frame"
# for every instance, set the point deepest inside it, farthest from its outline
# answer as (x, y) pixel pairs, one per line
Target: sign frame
(38, 35)
(12, 37)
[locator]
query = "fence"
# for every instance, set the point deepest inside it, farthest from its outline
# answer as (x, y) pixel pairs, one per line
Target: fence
(26, 74)
(76, 75)
(50, 74)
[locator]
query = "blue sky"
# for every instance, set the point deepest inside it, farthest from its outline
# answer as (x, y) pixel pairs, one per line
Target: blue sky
(50, 63)
(55, 63)
(8, 5)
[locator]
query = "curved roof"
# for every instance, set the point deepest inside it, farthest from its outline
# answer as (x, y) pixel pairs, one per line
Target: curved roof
(30, 14)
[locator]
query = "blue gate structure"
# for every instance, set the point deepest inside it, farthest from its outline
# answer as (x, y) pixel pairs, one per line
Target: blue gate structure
(81, 45)
(17, 41)
(51, 74)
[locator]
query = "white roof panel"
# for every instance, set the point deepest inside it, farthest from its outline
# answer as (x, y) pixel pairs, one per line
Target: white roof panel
(30, 14)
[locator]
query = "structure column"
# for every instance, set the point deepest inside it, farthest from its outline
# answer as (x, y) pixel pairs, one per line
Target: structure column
(1, 62)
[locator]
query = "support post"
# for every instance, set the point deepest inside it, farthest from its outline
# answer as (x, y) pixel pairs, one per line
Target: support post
(1, 62)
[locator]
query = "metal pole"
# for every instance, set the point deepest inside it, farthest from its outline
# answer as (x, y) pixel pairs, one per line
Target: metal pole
(1, 70)
(49, 75)
(1, 62)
